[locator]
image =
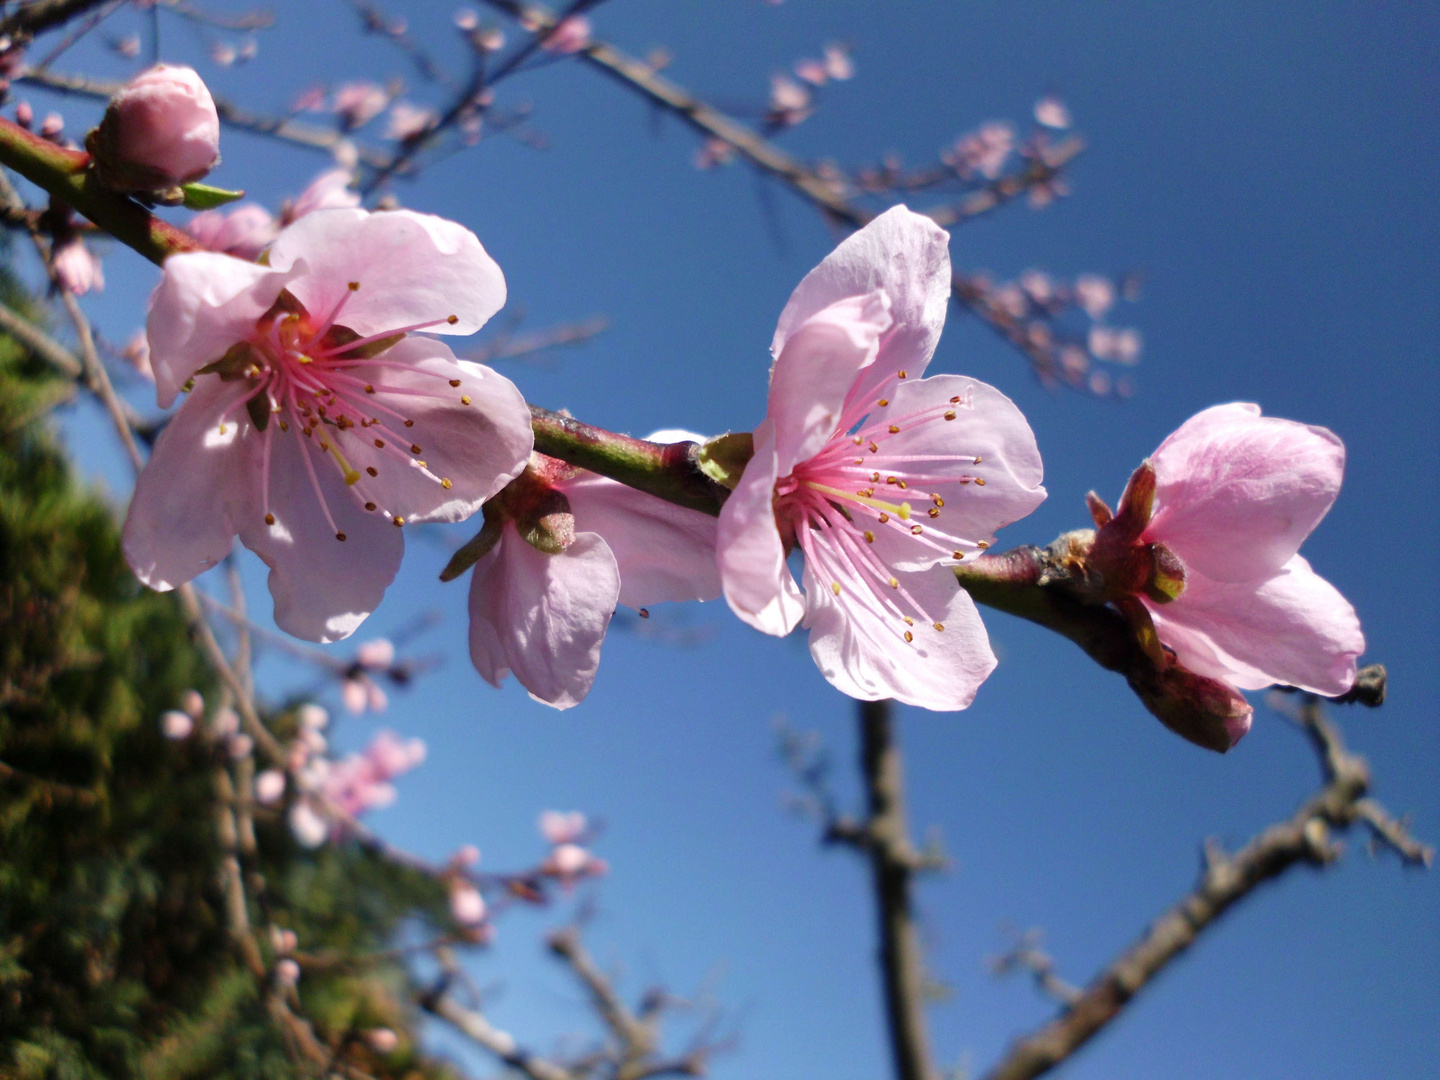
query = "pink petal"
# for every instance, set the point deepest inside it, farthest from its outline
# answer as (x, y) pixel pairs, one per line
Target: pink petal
(758, 585)
(903, 253)
(542, 617)
(1237, 493)
(664, 552)
(1294, 628)
(196, 488)
(862, 651)
(987, 425)
(205, 303)
(479, 447)
(411, 267)
(323, 588)
(816, 369)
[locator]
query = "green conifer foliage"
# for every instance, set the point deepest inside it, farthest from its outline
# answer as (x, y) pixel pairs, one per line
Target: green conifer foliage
(115, 960)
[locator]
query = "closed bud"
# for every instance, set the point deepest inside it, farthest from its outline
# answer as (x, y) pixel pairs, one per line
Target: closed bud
(1203, 711)
(160, 130)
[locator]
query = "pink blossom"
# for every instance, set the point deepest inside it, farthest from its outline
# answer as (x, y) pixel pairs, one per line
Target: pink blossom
(571, 862)
(287, 972)
(982, 152)
(128, 46)
(193, 703)
(328, 191)
(881, 479)
(789, 101)
(225, 723)
(382, 1040)
(52, 126)
(543, 615)
(311, 99)
(243, 232)
(1051, 112)
(1235, 496)
(307, 825)
(1038, 286)
(569, 36)
(714, 152)
(838, 64)
(315, 418)
(357, 103)
(407, 122)
(160, 129)
(389, 755)
(175, 724)
(812, 72)
(559, 827)
(377, 654)
(313, 717)
(77, 268)
(269, 787)
(467, 906)
(1095, 294)
(240, 746)
(24, 114)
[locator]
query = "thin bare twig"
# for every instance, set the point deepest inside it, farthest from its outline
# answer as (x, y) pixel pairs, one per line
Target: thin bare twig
(1226, 880)
(51, 789)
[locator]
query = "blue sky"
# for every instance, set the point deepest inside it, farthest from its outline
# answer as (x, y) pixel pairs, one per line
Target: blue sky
(1270, 169)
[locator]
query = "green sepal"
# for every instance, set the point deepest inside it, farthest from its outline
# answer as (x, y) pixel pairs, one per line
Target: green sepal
(724, 457)
(206, 197)
(476, 548)
(238, 359)
(337, 337)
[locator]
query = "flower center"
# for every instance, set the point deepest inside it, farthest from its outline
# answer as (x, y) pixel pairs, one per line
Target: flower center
(303, 376)
(869, 481)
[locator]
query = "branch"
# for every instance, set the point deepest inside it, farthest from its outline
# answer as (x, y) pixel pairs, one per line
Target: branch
(311, 136)
(1304, 838)
(893, 862)
(670, 471)
(637, 1039)
(41, 15)
(52, 789)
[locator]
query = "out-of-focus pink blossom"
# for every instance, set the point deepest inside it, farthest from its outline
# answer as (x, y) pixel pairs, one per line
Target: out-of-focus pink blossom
(389, 755)
(160, 129)
(812, 72)
(357, 103)
(24, 114)
(560, 827)
(284, 940)
(407, 122)
(1099, 383)
(883, 480)
(382, 1040)
(789, 101)
(1038, 286)
(328, 191)
(175, 724)
(313, 717)
(1011, 300)
(287, 972)
(1095, 294)
(269, 787)
(307, 825)
(1121, 346)
(465, 855)
(249, 49)
(77, 268)
(223, 53)
(377, 654)
(714, 152)
(240, 746)
(542, 614)
(225, 723)
(569, 36)
(982, 153)
(137, 354)
(128, 46)
(1051, 112)
(1236, 493)
(52, 126)
(322, 324)
(311, 99)
(467, 19)
(193, 703)
(838, 63)
(467, 906)
(571, 862)
(359, 692)
(315, 743)
(243, 232)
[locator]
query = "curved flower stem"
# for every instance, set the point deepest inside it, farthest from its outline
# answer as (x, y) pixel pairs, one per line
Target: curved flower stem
(63, 173)
(669, 471)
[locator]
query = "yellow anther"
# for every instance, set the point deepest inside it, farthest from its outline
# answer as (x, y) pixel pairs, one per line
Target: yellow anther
(901, 373)
(269, 519)
(409, 423)
(884, 518)
(369, 389)
(464, 399)
(955, 400)
(978, 459)
(940, 627)
(222, 429)
(284, 426)
(937, 500)
(452, 319)
(958, 554)
(875, 477)
(874, 448)
(370, 506)
(883, 402)
(869, 537)
(890, 480)
(909, 637)
(835, 587)
(934, 512)
(340, 537)
(414, 449)
(901, 484)
(398, 521)
(354, 286)
(857, 440)
(916, 530)
(908, 621)
(421, 464)
(455, 383)
(379, 444)
(894, 583)
(980, 480)
(643, 612)
(894, 430)
(983, 544)
(445, 483)
(950, 414)
(371, 470)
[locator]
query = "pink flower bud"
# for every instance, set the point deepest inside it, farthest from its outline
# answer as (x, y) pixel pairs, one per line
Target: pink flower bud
(375, 655)
(308, 827)
(176, 725)
(193, 703)
(562, 828)
(76, 268)
(382, 1040)
(569, 36)
(467, 906)
(287, 972)
(159, 131)
(1051, 112)
(352, 694)
(24, 114)
(226, 722)
(241, 746)
(313, 717)
(466, 855)
(52, 126)
(269, 787)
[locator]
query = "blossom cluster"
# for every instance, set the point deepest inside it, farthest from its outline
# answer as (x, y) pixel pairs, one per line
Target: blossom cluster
(321, 417)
